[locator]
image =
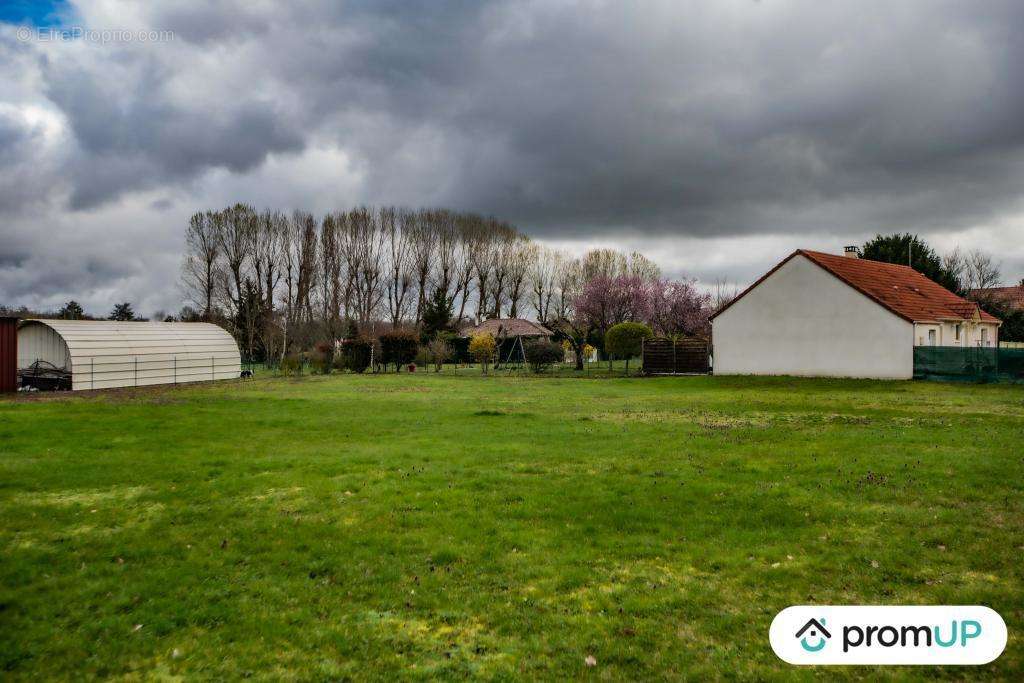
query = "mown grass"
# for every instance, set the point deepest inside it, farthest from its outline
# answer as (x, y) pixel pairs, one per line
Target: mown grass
(369, 527)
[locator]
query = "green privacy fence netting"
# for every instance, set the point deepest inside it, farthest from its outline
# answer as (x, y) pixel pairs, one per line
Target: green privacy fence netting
(972, 364)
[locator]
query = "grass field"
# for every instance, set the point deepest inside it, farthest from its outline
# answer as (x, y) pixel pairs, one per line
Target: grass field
(501, 527)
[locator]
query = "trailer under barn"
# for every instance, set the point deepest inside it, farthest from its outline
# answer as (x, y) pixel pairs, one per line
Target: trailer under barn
(102, 354)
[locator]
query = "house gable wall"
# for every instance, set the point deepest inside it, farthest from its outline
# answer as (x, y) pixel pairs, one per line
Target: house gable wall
(802, 320)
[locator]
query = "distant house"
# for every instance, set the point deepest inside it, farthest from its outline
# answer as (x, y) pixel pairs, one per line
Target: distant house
(817, 314)
(511, 334)
(1010, 297)
(504, 328)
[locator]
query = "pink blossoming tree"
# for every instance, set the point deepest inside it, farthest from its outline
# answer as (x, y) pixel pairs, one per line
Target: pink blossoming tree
(675, 307)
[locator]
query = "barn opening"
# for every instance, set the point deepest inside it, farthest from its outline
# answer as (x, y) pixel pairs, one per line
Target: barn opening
(104, 354)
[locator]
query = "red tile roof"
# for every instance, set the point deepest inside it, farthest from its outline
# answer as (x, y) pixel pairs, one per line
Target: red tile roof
(1009, 296)
(900, 289)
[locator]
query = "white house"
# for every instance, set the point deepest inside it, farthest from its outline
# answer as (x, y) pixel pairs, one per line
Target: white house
(824, 315)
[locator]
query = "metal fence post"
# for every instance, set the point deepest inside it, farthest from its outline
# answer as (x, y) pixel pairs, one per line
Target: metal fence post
(136, 371)
(92, 372)
(175, 368)
(213, 371)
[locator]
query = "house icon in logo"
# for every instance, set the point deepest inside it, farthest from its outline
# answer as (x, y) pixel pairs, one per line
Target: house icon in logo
(817, 630)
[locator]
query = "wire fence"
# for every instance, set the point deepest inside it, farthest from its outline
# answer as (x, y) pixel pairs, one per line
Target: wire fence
(304, 365)
(105, 372)
(307, 366)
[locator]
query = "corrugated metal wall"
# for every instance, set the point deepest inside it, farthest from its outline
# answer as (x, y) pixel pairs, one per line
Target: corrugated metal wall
(8, 354)
(103, 354)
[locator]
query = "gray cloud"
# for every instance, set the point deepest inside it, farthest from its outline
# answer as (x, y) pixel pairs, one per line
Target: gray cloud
(142, 136)
(579, 121)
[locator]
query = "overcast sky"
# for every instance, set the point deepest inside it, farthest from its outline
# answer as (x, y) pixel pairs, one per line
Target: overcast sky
(715, 137)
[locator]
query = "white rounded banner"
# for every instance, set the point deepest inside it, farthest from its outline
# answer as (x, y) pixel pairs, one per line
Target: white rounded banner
(862, 634)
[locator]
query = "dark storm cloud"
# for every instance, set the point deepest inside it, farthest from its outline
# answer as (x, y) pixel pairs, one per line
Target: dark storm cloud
(664, 117)
(576, 120)
(706, 124)
(59, 270)
(679, 119)
(140, 137)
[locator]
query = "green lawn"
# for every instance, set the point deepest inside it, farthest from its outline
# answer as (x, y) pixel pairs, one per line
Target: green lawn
(499, 527)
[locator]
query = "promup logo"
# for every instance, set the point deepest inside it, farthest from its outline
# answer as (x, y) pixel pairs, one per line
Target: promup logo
(888, 635)
(817, 630)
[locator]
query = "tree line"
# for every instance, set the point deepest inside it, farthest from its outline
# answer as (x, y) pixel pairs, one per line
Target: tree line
(282, 282)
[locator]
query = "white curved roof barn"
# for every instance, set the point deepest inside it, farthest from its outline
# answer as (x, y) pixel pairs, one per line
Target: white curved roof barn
(102, 354)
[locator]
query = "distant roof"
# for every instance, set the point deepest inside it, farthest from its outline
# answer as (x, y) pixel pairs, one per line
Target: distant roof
(508, 327)
(900, 289)
(1010, 296)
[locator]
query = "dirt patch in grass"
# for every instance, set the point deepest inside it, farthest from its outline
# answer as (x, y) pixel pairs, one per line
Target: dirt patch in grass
(701, 418)
(81, 497)
(413, 389)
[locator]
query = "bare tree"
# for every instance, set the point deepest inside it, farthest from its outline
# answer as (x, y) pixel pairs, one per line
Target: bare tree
(502, 254)
(463, 276)
(423, 240)
(202, 254)
(981, 273)
(642, 267)
(299, 250)
(606, 263)
(236, 226)
(440, 351)
(523, 254)
(954, 265)
(266, 265)
(567, 322)
(544, 270)
(329, 277)
(447, 250)
(266, 255)
(723, 294)
(569, 281)
(481, 256)
(398, 228)
(363, 247)
(235, 229)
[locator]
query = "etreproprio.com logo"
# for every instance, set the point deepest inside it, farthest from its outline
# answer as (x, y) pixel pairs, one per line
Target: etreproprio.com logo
(888, 635)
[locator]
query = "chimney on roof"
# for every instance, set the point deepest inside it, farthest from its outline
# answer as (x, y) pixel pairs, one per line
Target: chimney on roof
(850, 251)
